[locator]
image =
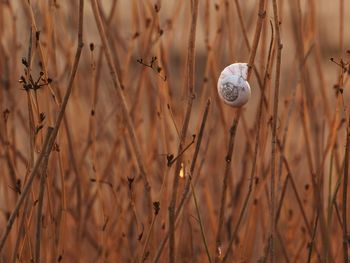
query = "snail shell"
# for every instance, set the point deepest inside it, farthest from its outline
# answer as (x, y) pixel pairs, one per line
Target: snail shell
(233, 87)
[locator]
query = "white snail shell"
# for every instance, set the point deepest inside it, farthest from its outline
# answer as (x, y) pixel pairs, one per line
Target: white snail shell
(233, 87)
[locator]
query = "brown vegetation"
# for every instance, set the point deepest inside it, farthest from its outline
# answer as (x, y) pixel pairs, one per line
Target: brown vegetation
(115, 147)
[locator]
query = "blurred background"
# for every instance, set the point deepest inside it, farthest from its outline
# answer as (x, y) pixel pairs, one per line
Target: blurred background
(95, 207)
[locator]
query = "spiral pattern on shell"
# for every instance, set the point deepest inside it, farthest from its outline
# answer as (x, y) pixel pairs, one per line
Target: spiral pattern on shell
(229, 91)
(233, 87)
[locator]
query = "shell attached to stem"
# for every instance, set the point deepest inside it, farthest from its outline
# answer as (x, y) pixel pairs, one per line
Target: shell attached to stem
(233, 87)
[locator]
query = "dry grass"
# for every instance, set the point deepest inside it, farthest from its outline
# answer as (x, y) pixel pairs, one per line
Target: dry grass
(94, 137)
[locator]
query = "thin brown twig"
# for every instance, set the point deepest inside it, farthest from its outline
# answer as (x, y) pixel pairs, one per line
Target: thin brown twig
(31, 146)
(156, 212)
(245, 35)
(21, 231)
(185, 194)
(297, 195)
(43, 174)
(228, 160)
(240, 19)
(191, 96)
(345, 195)
(49, 140)
(261, 15)
(25, 191)
(259, 25)
(311, 244)
(200, 220)
(274, 129)
(124, 107)
(284, 250)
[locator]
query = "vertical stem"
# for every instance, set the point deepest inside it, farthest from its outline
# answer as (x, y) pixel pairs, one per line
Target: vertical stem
(311, 244)
(40, 204)
(21, 231)
(185, 194)
(345, 194)
(49, 140)
(228, 159)
(124, 107)
(257, 140)
(274, 130)
(261, 16)
(190, 86)
(143, 253)
(200, 220)
(259, 24)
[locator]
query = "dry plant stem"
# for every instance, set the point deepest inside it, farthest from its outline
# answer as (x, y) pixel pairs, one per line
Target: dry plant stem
(285, 253)
(185, 194)
(278, 213)
(299, 201)
(125, 112)
(31, 150)
(310, 146)
(345, 195)
(326, 255)
(96, 73)
(74, 163)
(259, 24)
(41, 203)
(49, 140)
(191, 96)
(200, 220)
(257, 139)
(194, 159)
(143, 254)
(26, 239)
(63, 214)
(337, 212)
(244, 31)
(21, 231)
(274, 129)
(24, 193)
(39, 46)
(228, 159)
(30, 107)
(315, 183)
(31, 130)
(262, 14)
(311, 244)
